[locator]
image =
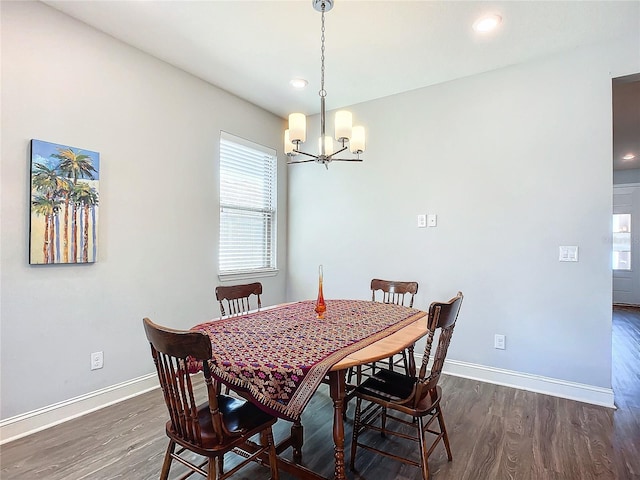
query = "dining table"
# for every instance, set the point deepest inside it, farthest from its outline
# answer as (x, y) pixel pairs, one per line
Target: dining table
(278, 356)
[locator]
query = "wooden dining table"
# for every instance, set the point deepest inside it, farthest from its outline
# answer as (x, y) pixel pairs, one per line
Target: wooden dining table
(278, 356)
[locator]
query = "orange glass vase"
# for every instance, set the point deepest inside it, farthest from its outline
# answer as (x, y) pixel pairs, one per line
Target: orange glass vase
(321, 306)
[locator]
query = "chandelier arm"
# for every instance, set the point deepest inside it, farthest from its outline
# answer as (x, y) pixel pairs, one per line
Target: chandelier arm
(307, 154)
(346, 160)
(336, 153)
(301, 161)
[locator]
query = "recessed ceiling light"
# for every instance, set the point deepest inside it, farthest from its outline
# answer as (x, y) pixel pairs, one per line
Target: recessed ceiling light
(629, 156)
(298, 83)
(487, 23)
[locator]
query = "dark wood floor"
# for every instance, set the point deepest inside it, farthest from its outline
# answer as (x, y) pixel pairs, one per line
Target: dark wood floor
(496, 433)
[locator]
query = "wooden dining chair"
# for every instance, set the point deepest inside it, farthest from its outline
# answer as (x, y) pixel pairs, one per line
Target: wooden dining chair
(399, 293)
(236, 299)
(411, 401)
(220, 425)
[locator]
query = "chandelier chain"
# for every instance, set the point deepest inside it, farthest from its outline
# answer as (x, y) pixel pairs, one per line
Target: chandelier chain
(323, 92)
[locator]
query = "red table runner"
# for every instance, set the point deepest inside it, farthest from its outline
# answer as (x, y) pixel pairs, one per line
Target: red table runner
(280, 355)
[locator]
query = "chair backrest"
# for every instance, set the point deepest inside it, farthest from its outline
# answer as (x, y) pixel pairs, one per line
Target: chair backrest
(236, 298)
(171, 351)
(394, 292)
(442, 316)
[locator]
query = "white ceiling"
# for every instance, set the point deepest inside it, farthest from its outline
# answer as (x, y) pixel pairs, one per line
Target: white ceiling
(373, 48)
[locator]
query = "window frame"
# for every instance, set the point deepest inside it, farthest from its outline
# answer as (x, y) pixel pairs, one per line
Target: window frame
(269, 210)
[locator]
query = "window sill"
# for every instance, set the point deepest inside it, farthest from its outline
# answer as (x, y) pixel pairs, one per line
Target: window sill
(227, 277)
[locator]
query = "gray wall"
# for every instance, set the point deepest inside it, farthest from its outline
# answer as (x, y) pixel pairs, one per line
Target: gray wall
(515, 163)
(157, 131)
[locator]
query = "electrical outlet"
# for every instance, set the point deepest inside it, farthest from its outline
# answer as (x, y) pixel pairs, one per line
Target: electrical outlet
(422, 221)
(97, 360)
(499, 342)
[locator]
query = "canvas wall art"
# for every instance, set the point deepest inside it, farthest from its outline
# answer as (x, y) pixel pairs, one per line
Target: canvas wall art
(64, 204)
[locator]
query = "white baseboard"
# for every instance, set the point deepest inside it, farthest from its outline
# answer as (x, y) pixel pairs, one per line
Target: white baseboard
(533, 383)
(36, 420)
(31, 422)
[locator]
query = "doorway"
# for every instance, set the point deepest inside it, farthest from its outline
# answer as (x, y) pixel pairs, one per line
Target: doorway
(626, 190)
(626, 241)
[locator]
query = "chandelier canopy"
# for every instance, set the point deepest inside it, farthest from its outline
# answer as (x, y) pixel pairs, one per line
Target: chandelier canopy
(348, 136)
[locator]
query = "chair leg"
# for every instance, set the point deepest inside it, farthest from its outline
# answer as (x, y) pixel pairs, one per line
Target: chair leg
(356, 432)
(166, 464)
(424, 457)
(357, 371)
(445, 435)
(266, 439)
(216, 467)
(405, 362)
(345, 405)
(213, 472)
(273, 458)
(410, 361)
(383, 422)
(297, 437)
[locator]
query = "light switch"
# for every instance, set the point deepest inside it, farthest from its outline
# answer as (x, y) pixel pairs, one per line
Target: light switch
(422, 221)
(568, 253)
(432, 220)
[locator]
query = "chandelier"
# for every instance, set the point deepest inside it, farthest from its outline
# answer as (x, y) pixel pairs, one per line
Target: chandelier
(345, 132)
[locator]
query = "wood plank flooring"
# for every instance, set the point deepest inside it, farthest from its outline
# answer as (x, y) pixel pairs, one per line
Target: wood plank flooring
(496, 433)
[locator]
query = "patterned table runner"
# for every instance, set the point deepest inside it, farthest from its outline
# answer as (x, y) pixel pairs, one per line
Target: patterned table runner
(280, 356)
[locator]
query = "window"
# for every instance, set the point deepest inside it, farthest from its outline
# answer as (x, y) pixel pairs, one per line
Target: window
(248, 201)
(622, 241)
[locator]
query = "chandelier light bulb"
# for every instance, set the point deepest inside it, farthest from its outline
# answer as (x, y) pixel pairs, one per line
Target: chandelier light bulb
(297, 127)
(326, 147)
(288, 144)
(344, 122)
(357, 140)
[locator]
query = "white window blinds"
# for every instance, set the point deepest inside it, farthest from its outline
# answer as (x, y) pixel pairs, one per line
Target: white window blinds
(247, 207)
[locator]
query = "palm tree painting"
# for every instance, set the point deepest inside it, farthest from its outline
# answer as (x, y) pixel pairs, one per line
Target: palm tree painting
(64, 204)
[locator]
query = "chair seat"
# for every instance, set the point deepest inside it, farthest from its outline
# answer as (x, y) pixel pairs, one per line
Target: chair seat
(238, 416)
(391, 388)
(387, 385)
